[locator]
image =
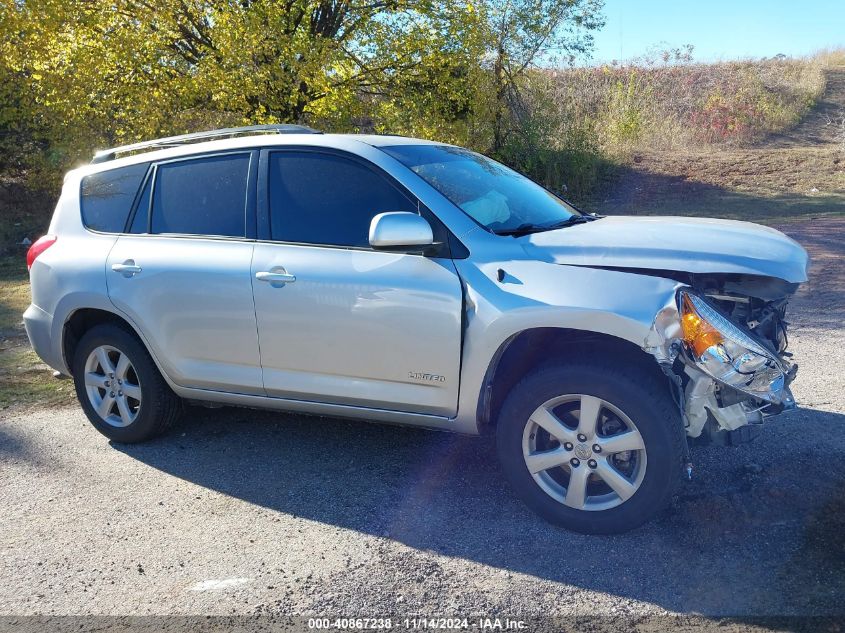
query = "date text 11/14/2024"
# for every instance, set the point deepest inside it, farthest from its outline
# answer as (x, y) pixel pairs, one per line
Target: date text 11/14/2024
(418, 623)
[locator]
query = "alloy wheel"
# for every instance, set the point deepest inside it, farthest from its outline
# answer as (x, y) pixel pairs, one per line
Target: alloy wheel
(584, 452)
(112, 385)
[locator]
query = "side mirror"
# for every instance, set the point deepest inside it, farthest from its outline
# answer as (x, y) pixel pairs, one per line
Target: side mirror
(400, 230)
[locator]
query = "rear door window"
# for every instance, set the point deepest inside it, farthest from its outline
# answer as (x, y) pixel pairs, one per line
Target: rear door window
(107, 197)
(203, 196)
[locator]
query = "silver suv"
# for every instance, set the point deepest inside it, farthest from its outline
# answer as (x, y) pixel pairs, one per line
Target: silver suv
(400, 280)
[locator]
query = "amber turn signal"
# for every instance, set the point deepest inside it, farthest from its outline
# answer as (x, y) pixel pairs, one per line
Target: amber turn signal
(699, 335)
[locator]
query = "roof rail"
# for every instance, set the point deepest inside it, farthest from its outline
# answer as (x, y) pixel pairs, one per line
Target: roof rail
(105, 155)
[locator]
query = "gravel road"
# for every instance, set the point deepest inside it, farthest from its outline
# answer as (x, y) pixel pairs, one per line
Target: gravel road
(243, 512)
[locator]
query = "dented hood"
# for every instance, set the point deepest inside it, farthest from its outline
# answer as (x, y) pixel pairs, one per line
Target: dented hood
(694, 245)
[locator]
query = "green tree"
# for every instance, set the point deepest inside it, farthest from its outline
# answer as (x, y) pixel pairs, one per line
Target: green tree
(78, 74)
(109, 71)
(523, 33)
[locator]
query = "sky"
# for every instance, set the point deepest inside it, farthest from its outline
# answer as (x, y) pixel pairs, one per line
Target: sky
(720, 29)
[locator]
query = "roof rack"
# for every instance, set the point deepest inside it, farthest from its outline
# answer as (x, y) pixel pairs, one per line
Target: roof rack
(105, 155)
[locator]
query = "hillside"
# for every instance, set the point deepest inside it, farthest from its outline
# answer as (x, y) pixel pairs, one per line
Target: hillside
(798, 172)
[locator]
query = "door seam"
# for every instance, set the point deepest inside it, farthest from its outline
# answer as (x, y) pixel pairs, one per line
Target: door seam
(255, 315)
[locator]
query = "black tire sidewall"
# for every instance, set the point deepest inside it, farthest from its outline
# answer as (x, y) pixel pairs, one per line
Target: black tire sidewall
(641, 397)
(146, 424)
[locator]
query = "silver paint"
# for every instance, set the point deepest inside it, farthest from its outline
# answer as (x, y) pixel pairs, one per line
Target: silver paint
(399, 228)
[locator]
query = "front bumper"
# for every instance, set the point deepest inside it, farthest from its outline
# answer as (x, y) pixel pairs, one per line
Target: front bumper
(707, 403)
(714, 407)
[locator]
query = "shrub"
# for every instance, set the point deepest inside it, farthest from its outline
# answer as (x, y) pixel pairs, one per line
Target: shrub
(559, 151)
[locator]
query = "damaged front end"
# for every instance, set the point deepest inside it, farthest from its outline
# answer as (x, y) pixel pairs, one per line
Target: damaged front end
(723, 344)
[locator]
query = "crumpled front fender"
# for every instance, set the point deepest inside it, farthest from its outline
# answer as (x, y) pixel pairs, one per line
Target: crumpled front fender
(534, 294)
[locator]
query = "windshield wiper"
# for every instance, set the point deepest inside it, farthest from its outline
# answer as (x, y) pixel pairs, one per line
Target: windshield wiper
(522, 229)
(573, 219)
(528, 228)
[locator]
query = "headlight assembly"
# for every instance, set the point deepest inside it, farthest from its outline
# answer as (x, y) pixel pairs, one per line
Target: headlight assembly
(729, 354)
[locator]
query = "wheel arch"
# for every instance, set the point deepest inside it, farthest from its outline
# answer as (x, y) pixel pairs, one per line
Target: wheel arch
(530, 348)
(82, 320)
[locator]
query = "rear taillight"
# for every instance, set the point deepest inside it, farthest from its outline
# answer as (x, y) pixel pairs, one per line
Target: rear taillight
(40, 245)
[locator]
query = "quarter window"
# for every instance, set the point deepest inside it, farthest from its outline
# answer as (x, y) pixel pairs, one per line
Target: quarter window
(324, 199)
(107, 197)
(205, 196)
(141, 219)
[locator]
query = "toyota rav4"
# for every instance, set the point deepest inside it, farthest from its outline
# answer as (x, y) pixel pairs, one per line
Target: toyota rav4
(406, 281)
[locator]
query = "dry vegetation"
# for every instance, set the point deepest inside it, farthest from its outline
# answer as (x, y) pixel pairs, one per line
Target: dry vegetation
(761, 141)
(687, 105)
(577, 126)
(24, 379)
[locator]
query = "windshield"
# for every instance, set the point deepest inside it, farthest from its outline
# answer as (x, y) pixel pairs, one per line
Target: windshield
(493, 195)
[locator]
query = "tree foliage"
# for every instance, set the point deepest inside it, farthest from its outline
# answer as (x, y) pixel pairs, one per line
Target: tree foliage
(78, 74)
(522, 33)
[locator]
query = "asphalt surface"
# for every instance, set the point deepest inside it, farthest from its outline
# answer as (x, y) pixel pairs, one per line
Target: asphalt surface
(244, 512)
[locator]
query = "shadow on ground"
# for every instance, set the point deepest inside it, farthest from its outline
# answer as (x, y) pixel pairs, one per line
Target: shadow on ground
(760, 529)
(712, 186)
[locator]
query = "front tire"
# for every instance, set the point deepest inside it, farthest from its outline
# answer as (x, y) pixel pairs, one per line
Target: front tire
(592, 447)
(120, 388)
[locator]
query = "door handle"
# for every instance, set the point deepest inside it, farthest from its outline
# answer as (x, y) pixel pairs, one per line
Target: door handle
(275, 277)
(127, 268)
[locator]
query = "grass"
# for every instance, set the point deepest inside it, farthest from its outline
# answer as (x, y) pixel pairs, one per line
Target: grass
(24, 379)
(765, 185)
(14, 294)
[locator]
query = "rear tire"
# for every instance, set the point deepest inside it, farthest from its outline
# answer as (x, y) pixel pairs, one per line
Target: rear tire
(572, 484)
(120, 388)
